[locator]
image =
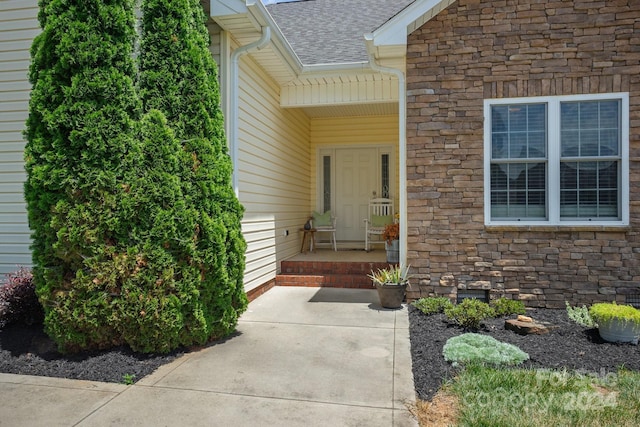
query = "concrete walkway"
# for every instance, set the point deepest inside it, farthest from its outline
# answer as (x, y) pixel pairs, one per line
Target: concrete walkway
(302, 357)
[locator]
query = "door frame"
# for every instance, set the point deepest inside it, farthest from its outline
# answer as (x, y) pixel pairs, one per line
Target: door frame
(331, 150)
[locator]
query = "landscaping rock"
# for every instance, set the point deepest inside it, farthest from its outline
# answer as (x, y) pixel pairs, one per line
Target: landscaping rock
(528, 327)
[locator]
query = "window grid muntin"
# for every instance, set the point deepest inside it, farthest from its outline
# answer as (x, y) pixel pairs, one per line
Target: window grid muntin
(526, 199)
(520, 124)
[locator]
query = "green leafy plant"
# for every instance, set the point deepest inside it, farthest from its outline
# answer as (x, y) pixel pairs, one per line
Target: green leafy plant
(395, 274)
(505, 307)
(581, 316)
(617, 323)
(607, 311)
(470, 313)
(432, 305)
(128, 379)
(477, 348)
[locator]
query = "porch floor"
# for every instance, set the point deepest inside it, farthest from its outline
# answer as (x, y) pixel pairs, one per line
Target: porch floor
(343, 254)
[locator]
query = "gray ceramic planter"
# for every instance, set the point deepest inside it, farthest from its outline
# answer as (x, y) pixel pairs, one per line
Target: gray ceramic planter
(391, 294)
(618, 330)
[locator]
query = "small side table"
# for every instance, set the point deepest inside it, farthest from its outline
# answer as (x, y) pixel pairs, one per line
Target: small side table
(311, 233)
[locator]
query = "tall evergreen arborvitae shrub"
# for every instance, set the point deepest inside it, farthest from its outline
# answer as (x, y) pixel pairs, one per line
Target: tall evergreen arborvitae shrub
(136, 228)
(179, 77)
(158, 304)
(82, 114)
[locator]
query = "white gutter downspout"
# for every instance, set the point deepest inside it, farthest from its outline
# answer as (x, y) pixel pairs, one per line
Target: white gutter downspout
(402, 136)
(234, 99)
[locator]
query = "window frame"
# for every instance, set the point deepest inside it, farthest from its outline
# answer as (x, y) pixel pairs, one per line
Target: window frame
(553, 161)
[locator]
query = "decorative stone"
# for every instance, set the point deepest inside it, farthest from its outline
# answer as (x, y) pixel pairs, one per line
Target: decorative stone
(528, 328)
(447, 280)
(479, 284)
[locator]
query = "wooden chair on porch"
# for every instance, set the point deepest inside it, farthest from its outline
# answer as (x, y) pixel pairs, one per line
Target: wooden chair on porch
(325, 223)
(380, 215)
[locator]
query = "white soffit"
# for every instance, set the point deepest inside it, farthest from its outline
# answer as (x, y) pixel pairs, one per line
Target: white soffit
(347, 89)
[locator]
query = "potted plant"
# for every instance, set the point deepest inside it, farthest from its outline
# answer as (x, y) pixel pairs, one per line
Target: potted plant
(391, 284)
(616, 323)
(391, 235)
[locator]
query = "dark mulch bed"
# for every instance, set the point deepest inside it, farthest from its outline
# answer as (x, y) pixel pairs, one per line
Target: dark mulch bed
(570, 346)
(28, 350)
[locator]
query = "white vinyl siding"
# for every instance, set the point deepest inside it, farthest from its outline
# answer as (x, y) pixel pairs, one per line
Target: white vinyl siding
(18, 27)
(273, 172)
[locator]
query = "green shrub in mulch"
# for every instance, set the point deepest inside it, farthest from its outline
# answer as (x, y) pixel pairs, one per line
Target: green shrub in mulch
(477, 348)
(506, 307)
(580, 315)
(470, 313)
(432, 305)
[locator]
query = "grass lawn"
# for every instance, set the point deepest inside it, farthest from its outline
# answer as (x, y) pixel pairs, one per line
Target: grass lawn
(493, 397)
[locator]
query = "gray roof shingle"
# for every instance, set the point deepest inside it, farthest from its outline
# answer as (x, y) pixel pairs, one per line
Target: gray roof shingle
(331, 31)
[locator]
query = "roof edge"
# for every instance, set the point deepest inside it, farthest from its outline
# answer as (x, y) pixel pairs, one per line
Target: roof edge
(395, 31)
(260, 17)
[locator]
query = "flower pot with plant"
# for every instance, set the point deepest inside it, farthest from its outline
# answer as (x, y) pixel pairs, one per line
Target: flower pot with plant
(616, 323)
(391, 284)
(391, 236)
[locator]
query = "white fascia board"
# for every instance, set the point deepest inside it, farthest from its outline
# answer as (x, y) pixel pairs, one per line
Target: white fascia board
(395, 31)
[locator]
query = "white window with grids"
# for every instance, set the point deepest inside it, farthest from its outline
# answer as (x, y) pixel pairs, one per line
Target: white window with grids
(559, 160)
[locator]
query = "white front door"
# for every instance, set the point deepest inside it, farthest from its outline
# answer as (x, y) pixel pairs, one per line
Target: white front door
(347, 178)
(356, 180)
